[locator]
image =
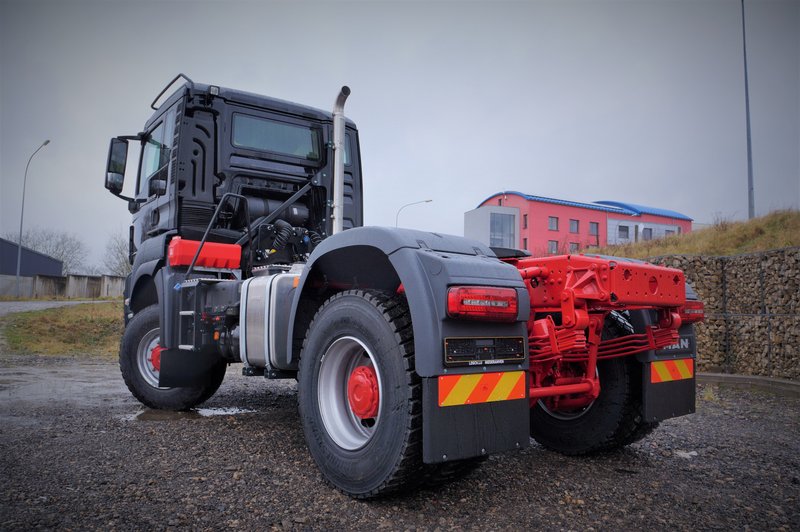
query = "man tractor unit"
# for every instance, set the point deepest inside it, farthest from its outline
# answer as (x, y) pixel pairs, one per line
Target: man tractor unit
(416, 354)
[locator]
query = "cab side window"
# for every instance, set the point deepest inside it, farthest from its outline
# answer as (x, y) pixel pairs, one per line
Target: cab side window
(156, 152)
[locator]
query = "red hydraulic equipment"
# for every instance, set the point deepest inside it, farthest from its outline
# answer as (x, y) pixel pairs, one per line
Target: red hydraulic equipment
(571, 296)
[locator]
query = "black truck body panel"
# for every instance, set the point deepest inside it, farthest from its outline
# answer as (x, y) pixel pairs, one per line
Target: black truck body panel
(426, 264)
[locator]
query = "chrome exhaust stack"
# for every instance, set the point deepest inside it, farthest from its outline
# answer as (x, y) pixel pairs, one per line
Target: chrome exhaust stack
(338, 160)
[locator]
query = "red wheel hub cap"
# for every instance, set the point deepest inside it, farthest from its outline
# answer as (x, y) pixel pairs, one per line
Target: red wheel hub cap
(155, 357)
(362, 392)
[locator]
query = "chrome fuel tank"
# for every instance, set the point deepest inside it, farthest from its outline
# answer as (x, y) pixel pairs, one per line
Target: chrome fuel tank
(265, 306)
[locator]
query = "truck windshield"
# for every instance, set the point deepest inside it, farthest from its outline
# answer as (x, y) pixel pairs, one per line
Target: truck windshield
(276, 137)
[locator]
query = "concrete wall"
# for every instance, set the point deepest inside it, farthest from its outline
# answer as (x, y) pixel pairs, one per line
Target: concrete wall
(47, 286)
(111, 286)
(8, 286)
(71, 286)
(752, 303)
(83, 286)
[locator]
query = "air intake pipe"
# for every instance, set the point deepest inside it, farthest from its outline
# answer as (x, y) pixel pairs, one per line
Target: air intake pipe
(296, 214)
(338, 160)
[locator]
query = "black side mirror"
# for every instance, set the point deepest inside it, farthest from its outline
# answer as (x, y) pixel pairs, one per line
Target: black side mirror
(115, 168)
(157, 187)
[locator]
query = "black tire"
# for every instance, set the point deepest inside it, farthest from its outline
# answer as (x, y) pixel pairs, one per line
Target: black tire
(612, 421)
(363, 458)
(141, 377)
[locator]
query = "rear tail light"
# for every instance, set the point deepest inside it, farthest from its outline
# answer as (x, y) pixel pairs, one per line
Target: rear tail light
(692, 312)
(482, 303)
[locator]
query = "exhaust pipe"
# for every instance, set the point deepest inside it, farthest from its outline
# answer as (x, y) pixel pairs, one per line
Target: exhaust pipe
(338, 159)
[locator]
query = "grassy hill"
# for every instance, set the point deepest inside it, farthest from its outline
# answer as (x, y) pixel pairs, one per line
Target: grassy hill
(779, 229)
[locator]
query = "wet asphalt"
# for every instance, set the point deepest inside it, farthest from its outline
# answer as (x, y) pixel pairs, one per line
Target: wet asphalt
(78, 452)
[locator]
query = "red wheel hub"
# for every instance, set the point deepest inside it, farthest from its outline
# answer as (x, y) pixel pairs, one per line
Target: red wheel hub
(363, 393)
(155, 357)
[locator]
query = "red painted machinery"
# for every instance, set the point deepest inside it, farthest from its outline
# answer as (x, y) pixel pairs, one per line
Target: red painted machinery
(572, 299)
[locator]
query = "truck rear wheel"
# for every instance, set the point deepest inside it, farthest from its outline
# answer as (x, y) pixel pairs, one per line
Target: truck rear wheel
(140, 362)
(612, 421)
(359, 396)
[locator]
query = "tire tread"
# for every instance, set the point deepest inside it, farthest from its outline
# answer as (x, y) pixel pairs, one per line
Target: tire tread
(408, 469)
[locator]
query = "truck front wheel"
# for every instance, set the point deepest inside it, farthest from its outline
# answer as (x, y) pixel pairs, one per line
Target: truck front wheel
(359, 395)
(140, 362)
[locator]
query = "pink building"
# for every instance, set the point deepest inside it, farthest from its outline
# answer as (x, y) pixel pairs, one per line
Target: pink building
(553, 226)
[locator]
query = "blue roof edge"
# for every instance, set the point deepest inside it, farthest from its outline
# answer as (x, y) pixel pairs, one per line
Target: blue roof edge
(568, 203)
(618, 207)
(644, 209)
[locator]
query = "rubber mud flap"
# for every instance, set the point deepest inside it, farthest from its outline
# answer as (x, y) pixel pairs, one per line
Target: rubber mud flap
(470, 430)
(664, 400)
(185, 368)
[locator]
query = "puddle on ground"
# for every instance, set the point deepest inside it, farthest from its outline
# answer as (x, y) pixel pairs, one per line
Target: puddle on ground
(168, 415)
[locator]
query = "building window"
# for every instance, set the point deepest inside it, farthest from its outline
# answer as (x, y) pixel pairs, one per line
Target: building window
(594, 228)
(622, 232)
(647, 234)
(552, 223)
(669, 232)
(552, 247)
(525, 244)
(524, 221)
(573, 226)
(501, 230)
(573, 247)
(500, 202)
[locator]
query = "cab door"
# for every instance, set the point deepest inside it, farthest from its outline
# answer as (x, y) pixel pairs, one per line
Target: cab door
(155, 182)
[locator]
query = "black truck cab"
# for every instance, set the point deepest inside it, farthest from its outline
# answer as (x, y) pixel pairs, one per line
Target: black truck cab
(206, 141)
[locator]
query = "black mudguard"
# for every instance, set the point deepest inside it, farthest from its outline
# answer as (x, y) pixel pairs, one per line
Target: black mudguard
(427, 264)
(668, 375)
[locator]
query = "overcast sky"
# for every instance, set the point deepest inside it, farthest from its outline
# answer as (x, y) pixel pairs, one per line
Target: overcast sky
(638, 101)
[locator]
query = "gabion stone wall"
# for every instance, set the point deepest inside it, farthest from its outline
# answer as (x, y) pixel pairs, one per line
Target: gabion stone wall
(752, 303)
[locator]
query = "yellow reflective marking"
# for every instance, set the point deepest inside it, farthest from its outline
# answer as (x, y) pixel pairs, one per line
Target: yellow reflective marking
(663, 372)
(504, 386)
(461, 391)
(683, 368)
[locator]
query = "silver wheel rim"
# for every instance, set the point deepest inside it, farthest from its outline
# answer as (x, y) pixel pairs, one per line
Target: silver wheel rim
(343, 356)
(143, 358)
(566, 416)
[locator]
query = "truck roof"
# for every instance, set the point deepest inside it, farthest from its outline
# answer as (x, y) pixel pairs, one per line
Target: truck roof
(248, 98)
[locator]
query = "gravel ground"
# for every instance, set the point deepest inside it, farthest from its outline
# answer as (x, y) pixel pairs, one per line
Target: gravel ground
(77, 452)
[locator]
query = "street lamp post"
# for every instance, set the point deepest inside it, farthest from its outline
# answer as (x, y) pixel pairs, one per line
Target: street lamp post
(22, 214)
(397, 216)
(751, 202)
